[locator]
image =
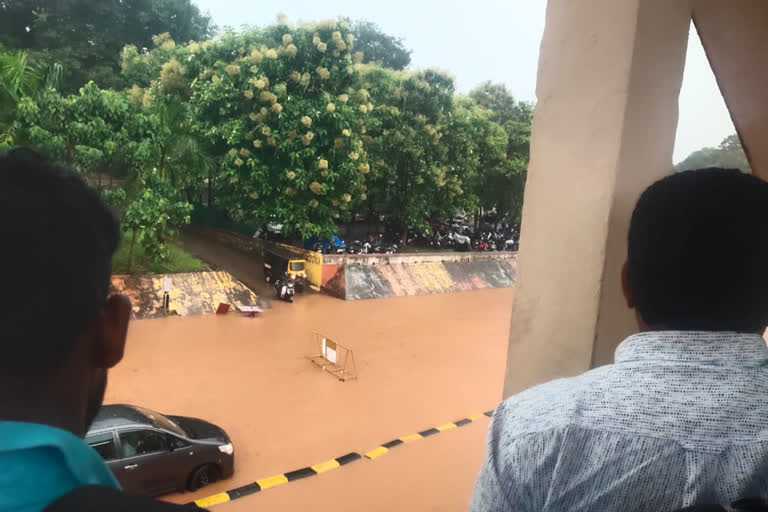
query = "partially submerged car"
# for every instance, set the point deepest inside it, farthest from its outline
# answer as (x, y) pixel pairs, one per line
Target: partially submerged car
(152, 453)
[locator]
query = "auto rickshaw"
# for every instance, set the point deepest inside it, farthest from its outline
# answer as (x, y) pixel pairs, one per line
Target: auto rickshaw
(275, 265)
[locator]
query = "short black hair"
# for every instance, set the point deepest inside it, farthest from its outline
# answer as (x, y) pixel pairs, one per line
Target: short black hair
(58, 238)
(698, 252)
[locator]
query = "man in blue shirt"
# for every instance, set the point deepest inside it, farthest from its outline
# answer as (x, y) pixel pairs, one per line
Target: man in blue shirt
(681, 417)
(59, 334)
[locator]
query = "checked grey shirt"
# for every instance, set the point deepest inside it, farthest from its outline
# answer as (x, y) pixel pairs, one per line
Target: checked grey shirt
(680, 418)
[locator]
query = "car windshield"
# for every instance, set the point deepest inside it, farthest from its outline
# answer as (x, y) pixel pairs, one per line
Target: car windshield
(160, 421)
(296, 266)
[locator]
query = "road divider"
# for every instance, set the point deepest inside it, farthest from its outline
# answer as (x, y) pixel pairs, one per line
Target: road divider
(329, 465)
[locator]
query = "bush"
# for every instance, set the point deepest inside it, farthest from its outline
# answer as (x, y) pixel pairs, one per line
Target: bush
(178, 260)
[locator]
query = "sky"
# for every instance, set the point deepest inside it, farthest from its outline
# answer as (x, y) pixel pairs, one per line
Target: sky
(481, 40)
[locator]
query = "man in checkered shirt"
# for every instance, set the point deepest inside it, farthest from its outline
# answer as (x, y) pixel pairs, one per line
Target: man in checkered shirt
(681, 417)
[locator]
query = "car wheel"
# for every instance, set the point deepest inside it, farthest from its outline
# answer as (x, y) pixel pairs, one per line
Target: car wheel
(203, 476)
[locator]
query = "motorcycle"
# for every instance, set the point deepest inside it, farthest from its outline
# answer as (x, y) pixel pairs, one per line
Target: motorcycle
(285, 287)
(480, 243)
(461, 242)
(335, 246)
(379, 246)
(355, 247)
(499, 239)
(510, 245)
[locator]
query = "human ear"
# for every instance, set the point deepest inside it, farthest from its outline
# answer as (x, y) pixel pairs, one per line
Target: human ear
(113, 331)
(626, 286)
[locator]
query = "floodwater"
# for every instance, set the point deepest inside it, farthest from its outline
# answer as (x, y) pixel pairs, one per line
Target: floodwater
(422, 361)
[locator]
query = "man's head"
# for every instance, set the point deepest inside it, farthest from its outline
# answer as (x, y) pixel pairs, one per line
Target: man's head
(698, 253)
(59, 333)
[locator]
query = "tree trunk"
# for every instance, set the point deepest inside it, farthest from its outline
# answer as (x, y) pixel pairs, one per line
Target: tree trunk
(130, 250)
(161, 164)
(210, 189)
(405, 235)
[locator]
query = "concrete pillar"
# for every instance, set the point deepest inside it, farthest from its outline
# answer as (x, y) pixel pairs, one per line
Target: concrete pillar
(604, 128)
(735, 39)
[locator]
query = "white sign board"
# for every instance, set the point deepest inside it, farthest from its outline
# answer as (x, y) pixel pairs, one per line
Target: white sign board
(329, 350)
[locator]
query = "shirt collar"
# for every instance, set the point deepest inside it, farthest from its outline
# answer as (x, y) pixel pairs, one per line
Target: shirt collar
(712, 348)
(85, 465)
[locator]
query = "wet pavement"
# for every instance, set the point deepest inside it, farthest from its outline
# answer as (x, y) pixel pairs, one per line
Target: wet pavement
(247, 267)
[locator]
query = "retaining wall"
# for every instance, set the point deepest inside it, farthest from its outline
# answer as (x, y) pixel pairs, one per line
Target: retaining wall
(368, 276)
(192, 293)
(371, 276)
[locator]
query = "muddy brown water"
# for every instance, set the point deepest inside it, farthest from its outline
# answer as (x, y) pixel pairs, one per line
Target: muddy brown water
(422, 361)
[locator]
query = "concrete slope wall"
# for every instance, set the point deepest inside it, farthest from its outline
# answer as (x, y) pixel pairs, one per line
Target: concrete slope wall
(355, 280)
(192, 293)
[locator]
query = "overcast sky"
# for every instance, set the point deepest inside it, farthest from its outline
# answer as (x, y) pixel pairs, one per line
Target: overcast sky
(482, 40)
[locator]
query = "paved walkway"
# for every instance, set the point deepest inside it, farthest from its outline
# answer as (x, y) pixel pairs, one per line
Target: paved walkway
(246, 267)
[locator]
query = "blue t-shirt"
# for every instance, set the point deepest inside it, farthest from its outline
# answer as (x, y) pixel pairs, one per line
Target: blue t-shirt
(42, 463)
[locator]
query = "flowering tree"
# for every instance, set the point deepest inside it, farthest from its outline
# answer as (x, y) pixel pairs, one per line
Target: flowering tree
(282, 115)
(299, 132)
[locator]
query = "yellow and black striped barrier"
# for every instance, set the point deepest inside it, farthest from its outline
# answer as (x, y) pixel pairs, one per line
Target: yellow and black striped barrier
(384, 448)
(323, 467)
(275, 480)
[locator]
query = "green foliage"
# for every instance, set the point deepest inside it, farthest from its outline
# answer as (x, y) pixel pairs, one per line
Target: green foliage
(378, 47)
(418, 173)
(151, 217)
(301, 133)
(86, 36)
(20, 78)
(89, 131)
(299, 126)
(177, 260)
(502, 183)
(728, 154)
(104, 131)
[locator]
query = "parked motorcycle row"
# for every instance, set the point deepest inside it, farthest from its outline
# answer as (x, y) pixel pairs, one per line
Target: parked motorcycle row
(455, 234)
(373, 245)
(467, 241)
(444, 239)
